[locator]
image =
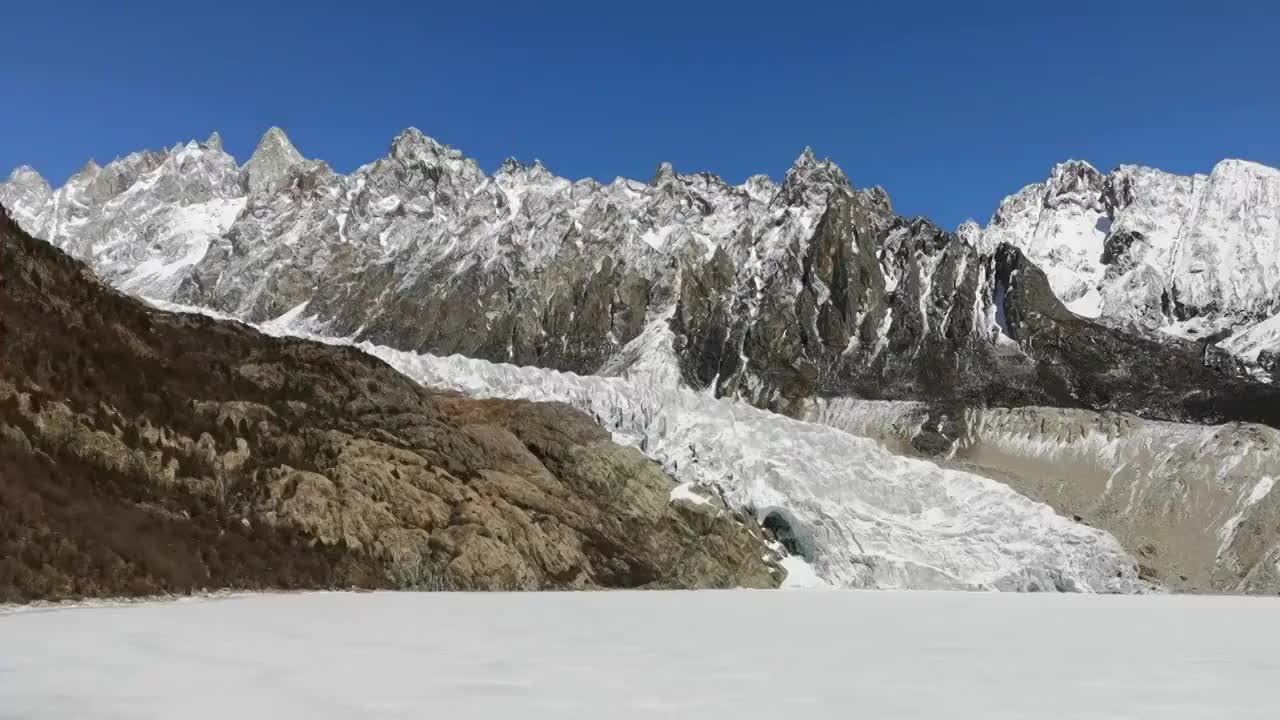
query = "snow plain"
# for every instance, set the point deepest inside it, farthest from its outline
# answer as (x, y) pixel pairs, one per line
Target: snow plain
(732, 654)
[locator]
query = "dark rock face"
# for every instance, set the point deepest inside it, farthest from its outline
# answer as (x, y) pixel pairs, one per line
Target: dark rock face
(949, 306)
(885, 308)
(1116, 250)
(1079, 363)
(145, 452)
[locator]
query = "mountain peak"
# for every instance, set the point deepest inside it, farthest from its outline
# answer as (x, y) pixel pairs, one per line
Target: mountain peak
(275, 143)
(1074, 167)
(808, 174)
(275, 135)
(271, 161)
(26, 175)
(88, 169)
(1244, 167)
(1076, 182)
(214, 141)
(412, 142)
(509, 166)
(665, 173)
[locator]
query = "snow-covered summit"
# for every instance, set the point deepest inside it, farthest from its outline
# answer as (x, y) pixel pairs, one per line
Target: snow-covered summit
(1192, 255)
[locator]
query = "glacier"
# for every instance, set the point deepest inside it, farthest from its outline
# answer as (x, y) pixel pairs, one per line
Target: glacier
(865, 517)
(1194, 502)
(874, 519)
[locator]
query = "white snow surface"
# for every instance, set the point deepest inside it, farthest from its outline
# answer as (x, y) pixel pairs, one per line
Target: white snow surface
(622, 655)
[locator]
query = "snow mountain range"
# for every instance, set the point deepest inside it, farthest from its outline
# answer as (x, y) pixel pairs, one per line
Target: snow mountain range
(771, 292)
(1136, 291)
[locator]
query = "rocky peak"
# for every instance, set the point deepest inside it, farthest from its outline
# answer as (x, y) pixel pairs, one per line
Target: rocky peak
(214, 141)
(89, 169)
(540, 171)
(271, 161)
(970, 233)
(878, 198)
(27, 176)
(510, 166)
(412, 146)
(811, 180)
(761, 188)
(25, 193)
(1075, 182)
(443, 168)
(666, 173)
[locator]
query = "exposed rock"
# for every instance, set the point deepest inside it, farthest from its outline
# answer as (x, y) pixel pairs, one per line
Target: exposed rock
(143, 452)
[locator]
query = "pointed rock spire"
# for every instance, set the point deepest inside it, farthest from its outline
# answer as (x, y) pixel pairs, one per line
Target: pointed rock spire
(664, 174)
(271, 161)
(214, 142)
(509, 166)
(810, 178)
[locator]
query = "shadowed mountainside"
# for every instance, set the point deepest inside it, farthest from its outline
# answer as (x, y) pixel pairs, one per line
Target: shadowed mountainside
(145, 452)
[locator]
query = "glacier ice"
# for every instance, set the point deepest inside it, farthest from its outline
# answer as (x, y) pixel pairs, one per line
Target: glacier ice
(874, 519)
(1194, 500)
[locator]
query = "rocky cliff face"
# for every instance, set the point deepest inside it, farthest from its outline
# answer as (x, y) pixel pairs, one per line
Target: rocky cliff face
(775, 293)
(143, 451)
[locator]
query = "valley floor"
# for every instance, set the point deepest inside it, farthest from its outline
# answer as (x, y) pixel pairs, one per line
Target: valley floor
(622, 655)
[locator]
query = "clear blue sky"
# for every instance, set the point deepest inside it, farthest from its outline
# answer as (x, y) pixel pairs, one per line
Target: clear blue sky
(948, 105)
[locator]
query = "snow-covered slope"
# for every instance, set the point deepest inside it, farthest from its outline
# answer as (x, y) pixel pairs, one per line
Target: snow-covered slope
(143, 221)
(1190, 255)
